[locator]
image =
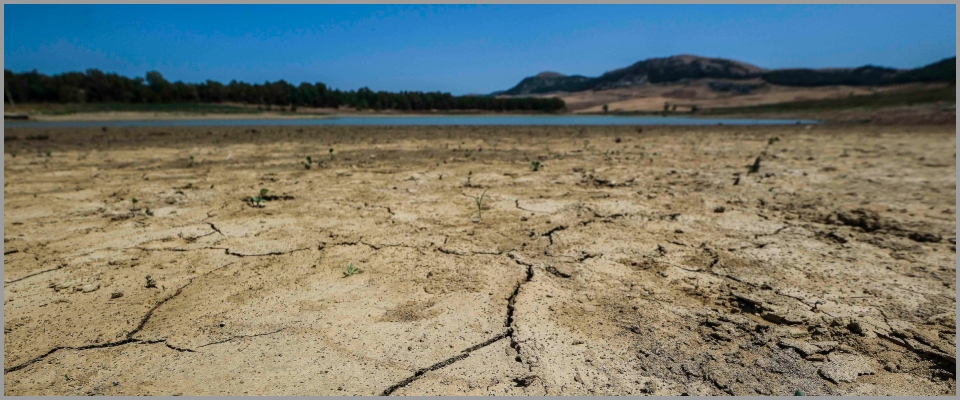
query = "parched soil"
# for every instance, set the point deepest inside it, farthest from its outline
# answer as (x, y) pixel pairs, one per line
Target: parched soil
(630, 263)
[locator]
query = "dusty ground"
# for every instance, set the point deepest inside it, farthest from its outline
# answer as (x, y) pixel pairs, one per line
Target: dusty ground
(630, 263)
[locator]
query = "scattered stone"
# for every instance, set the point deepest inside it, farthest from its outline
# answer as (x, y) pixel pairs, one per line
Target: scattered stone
(561, 270)
(867, 220)
(924, 237)
(826, 346)
(890, 367)
(836, 237)
(816, 357)
(846, 368)
(150, 282)
(116, 295)
(719, 209)
(90, 287)
(857, 327)
(650, 387)
(804, 348)
(58, 286)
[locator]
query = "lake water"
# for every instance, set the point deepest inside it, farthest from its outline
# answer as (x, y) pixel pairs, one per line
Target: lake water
(447, 120)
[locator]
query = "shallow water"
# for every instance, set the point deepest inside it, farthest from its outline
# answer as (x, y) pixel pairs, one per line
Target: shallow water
(421, 120)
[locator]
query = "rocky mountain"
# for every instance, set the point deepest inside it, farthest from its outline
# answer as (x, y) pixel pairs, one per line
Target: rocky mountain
(690, 67)
(546, 82)
(676, 68)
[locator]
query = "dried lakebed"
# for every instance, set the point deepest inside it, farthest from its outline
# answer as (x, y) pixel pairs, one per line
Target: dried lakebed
(631, 262)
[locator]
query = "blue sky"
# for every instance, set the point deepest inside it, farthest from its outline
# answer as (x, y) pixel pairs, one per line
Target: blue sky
(458, 48)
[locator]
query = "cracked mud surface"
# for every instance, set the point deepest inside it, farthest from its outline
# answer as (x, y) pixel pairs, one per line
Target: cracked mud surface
(622, 267)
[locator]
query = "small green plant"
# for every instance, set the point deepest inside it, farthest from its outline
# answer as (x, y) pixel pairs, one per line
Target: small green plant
(49, 153)
(331, 153)
(479, 201)
(535, 165)
(67, 378)
(773, 140)
(350, 270)
(134, 200)
(308, 163)
(258, 200)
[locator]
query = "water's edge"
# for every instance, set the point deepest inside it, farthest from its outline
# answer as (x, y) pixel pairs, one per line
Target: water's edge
(415, 121)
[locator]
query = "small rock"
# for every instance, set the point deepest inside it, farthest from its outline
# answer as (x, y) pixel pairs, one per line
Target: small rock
(846, 368)
(561, 270)
(58, 286)
(90, 287)
(826, 346)
(816, 357)
(924, 237)
(719, 209)
(116, 295)
(890, 367)
(804, 348)
(650, 387)
(836, 237)
(856, 327)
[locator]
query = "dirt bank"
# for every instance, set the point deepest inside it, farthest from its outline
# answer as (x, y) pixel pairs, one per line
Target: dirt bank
(630, 263)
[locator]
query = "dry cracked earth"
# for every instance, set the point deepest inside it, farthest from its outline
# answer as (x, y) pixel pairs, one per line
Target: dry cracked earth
(652, 261)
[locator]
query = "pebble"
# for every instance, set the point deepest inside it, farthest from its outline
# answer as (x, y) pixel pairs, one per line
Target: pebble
(846, 368)
(90, 287)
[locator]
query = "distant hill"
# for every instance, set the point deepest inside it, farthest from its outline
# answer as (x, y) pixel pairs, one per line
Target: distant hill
(676, 68)
(690, 67)
(546, 82)
(940, 71)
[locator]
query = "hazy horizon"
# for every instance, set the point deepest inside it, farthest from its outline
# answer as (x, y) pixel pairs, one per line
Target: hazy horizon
(459, 49)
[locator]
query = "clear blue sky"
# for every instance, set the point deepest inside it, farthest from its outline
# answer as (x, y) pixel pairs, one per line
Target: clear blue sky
(458, 49)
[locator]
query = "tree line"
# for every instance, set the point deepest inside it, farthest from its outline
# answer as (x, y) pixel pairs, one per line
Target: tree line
(94, 86)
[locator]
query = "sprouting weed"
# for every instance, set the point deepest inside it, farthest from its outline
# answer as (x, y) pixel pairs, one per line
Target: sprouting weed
(350, 270)
(535, 165)
(479, 201)
(258, 200)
